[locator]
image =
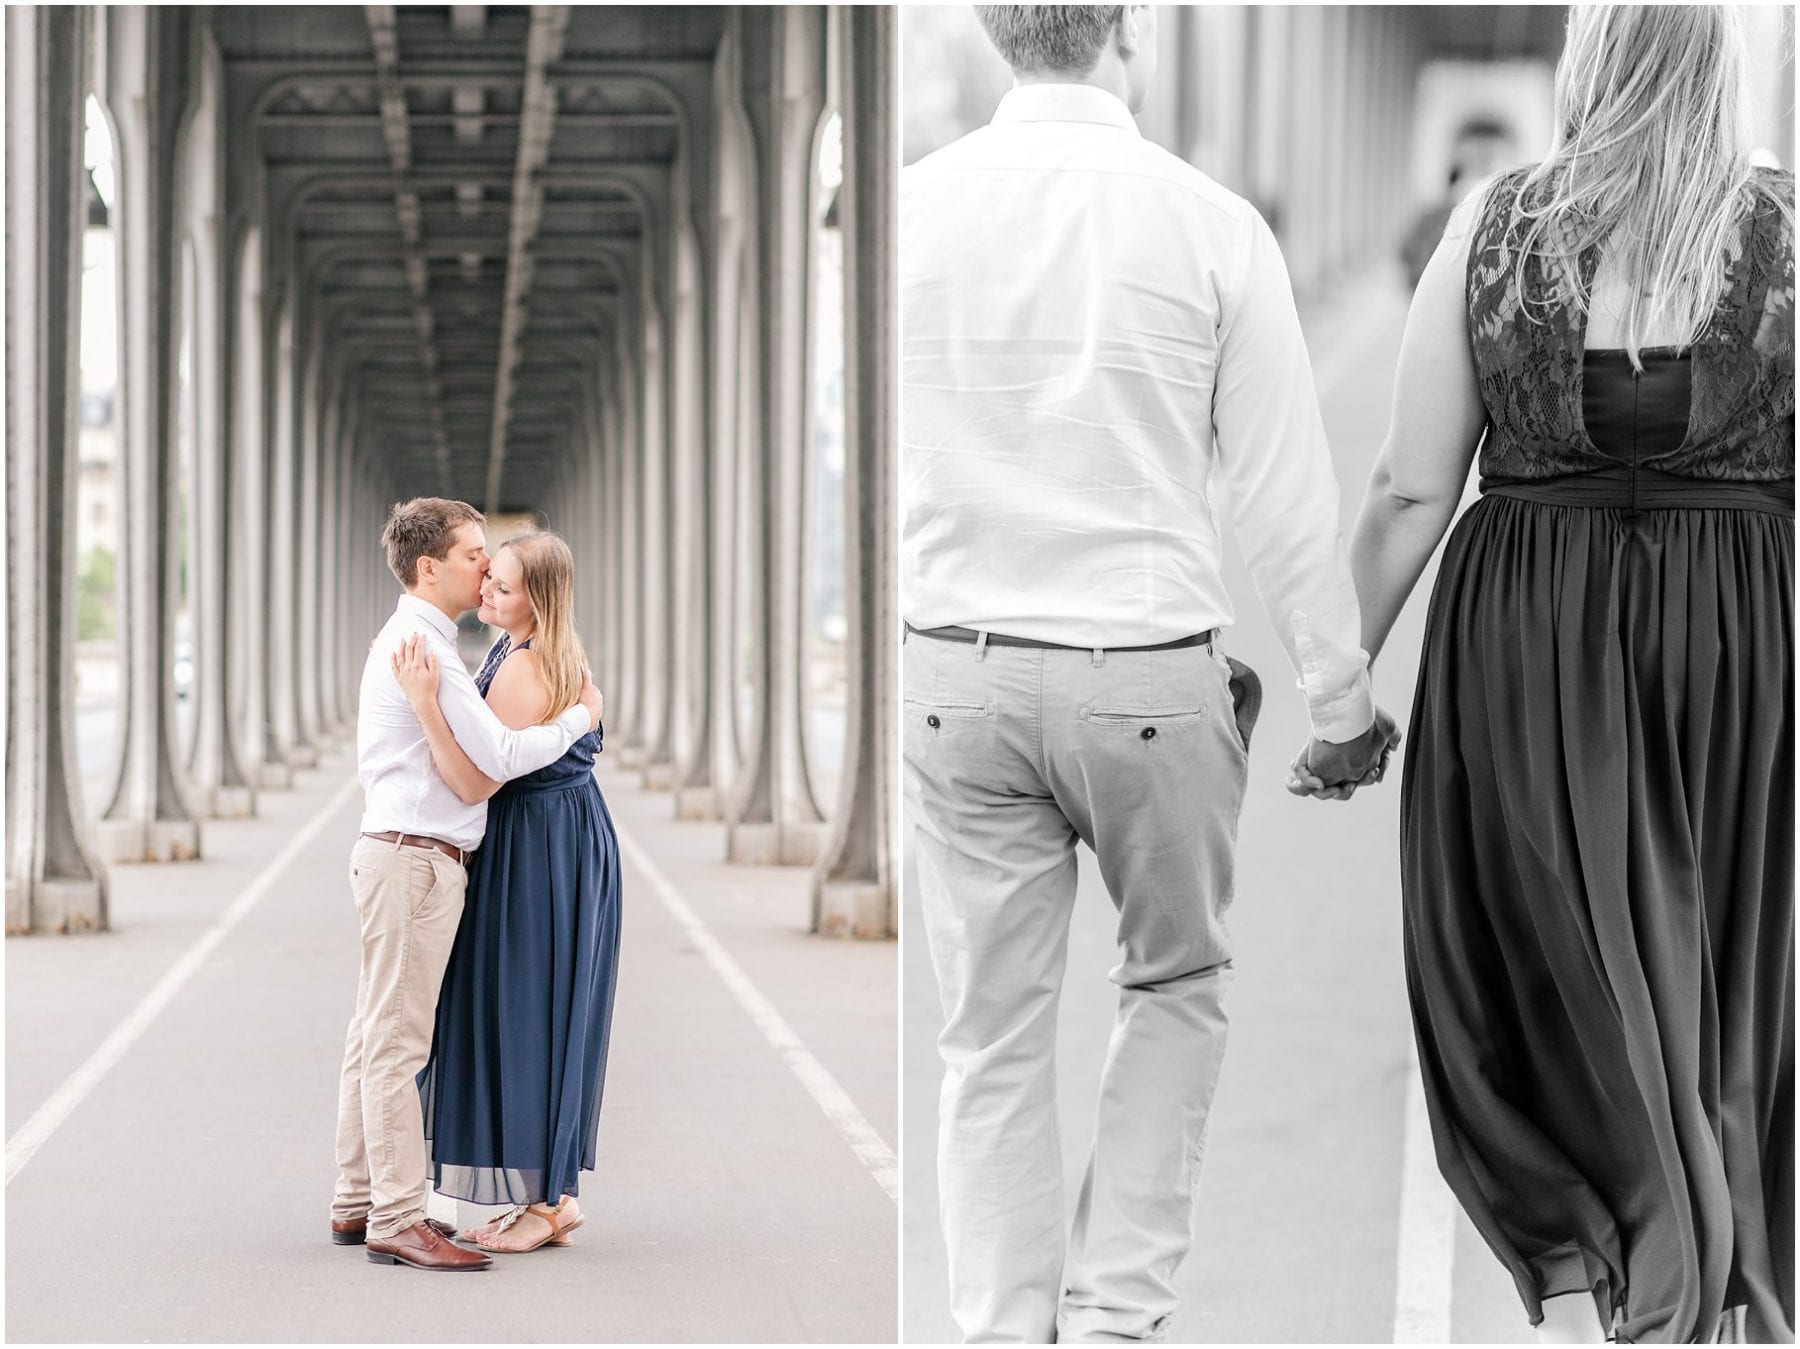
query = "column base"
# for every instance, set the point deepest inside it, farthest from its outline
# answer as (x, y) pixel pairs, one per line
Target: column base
(659, 777)
(859, 909)
(148, 840)
(697, 803)
(774, 845)
(69, 906)
(630, 756)
(277, 775)
(303, 756)
(227, 803)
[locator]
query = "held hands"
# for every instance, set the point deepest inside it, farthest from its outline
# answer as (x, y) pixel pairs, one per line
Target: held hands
(591, 698)
(1334, 772)
(416, 669)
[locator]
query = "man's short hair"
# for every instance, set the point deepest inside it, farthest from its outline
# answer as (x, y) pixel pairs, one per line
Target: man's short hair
(1050, 37)
(423, 527)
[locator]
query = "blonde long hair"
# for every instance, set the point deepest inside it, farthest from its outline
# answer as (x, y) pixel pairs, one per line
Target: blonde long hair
(1651, 160)
(549, 570)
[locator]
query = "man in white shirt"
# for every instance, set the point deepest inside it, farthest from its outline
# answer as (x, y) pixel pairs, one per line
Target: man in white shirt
(1093, 334)
(407, 874)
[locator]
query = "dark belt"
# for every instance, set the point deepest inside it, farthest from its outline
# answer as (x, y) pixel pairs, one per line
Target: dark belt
(1646, 489)
(1001, 639)
(424, 841)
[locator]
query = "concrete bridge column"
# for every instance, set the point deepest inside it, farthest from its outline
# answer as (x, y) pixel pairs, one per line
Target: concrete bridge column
(690, 578)
(610, 634)
(247, 504)
(590, 568)
(631, 560)
(149, 817)
(708, 775)
(222, 787)
(853, 885)
(55, 882)
(774, 818)
(328, 618)
(350, 637)
(303, 617)
(278, 541)
(656, 600)
(699, 176)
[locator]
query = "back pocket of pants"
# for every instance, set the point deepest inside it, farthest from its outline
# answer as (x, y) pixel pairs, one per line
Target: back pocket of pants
(1141, 719)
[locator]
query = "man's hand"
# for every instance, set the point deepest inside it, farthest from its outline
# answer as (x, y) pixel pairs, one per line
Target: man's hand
(592, 699)
(416, 669)
(1334, 772)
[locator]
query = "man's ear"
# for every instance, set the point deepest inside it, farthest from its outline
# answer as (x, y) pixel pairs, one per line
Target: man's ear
(1125, 30)
(426, 570)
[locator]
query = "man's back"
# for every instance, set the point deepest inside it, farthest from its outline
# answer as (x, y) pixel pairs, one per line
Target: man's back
(1065, 283)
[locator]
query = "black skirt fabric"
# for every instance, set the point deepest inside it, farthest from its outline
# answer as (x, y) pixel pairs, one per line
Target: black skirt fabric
(1598, 874)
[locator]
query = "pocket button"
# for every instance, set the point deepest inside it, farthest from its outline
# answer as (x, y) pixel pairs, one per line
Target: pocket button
(1149, 732)
(932, 721)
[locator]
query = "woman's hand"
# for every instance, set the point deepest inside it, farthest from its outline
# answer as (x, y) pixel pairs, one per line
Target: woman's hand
(416, 669)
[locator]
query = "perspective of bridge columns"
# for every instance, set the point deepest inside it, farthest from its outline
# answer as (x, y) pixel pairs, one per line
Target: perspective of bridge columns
(624, 272)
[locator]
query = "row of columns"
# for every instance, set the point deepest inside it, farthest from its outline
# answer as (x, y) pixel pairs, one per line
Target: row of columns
(696, 536)
(274, 590)
(690, 458)
(1307, 111)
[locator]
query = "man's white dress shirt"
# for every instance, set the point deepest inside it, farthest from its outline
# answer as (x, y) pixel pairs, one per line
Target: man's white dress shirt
(1093, 331)
(402, 789)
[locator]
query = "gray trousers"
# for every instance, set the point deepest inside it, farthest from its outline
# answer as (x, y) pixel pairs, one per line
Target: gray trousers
(1012, 755)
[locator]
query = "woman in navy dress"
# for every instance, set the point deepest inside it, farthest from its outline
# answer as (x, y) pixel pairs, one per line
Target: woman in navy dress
(512, 1088)
(1597, 846)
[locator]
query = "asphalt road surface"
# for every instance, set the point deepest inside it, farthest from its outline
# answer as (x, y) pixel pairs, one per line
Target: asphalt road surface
(183, 1195)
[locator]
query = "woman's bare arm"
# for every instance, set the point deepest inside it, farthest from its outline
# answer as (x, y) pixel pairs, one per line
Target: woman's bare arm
(1437, 422)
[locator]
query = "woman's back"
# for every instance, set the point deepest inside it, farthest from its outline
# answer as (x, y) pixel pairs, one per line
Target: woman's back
(1529, 353)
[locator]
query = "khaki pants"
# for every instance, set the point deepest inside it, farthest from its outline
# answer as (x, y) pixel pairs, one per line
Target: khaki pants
(1012, 755)
(410, 901)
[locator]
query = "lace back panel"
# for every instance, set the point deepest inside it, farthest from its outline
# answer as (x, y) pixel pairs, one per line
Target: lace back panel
(1528, 357)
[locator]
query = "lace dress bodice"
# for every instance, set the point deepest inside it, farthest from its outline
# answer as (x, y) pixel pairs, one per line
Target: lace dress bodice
(1529, 358)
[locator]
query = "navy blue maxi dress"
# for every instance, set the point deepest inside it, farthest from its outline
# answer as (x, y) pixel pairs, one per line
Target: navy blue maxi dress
(511, 1092)
(1597, 851)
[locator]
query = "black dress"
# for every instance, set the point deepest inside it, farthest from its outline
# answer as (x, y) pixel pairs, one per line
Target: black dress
(1598, 807)
(512, 1089)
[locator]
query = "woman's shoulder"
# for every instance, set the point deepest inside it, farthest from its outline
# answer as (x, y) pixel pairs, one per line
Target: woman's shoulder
(520, 670)
(519, 660)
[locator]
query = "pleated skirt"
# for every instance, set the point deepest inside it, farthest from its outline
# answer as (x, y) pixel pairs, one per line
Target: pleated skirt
(513, 1087)
(1598, 878)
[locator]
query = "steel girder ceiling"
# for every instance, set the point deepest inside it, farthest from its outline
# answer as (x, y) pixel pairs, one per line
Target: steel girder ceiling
(463, 196)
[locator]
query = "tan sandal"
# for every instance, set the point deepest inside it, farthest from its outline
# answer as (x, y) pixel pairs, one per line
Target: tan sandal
(557, 1236)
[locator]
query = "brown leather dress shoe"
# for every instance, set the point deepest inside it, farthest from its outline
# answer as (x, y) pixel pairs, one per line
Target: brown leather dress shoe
(423, 1247)
(354, 1231)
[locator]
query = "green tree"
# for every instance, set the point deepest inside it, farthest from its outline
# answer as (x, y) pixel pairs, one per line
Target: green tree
(97, 594)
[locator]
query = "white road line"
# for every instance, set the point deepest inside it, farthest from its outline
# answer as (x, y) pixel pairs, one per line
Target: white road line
(1426, 1258)
(868, 1145)
(36, 1131)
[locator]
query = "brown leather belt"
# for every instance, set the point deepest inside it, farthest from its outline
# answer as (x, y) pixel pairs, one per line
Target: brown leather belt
(424, 841)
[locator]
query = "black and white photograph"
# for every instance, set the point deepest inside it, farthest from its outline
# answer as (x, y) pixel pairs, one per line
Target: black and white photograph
(451, 730)
(1347, 571)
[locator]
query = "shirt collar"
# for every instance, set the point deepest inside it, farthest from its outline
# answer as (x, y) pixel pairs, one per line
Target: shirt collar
(433, 615)
(1065, 103)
